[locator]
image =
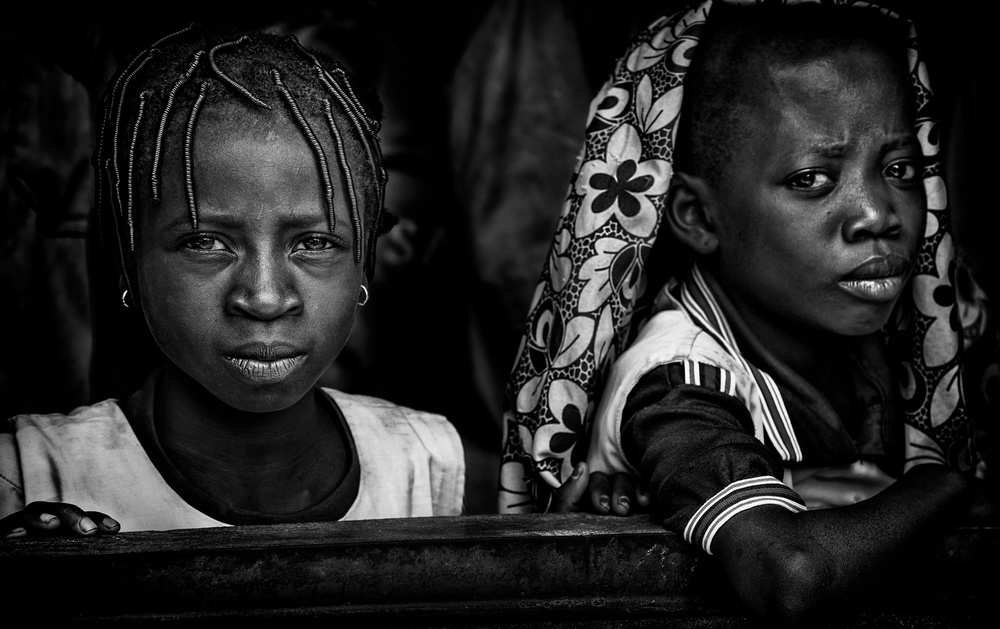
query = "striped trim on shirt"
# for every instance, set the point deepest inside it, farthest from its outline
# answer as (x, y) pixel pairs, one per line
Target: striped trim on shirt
(697, 300)
(736, 498)
(709, 376)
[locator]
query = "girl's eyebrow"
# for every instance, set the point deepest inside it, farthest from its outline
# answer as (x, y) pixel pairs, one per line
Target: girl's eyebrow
(839, 149)
(827, 149)
(179, 222)
(903, 141)
(183, 222)
(833, 149)
(228, 221)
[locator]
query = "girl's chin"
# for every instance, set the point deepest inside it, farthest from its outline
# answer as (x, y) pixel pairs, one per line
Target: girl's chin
(267, 397)
(866, 323)
(271, 402)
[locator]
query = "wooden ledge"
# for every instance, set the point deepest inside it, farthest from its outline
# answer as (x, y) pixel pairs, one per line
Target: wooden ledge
(510, 570)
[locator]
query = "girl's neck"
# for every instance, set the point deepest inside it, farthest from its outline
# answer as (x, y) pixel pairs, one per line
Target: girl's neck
(809, 353)
(273, 462)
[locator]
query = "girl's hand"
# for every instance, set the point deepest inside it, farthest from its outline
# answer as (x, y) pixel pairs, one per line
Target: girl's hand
(599, 493)
(56, 519)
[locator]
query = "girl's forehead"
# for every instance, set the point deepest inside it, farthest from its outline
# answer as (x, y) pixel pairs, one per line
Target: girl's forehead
(261, 136)
(866, 76)
(245, 175)
(828, 72)
(230, 150)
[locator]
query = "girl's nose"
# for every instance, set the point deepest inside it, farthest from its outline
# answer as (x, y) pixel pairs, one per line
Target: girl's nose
(870, 215)
(264, 289)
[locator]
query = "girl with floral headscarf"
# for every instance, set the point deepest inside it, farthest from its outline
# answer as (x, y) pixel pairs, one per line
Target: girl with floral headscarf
(749, 302)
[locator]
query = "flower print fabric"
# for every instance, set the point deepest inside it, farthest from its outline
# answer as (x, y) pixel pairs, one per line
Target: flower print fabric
(592, 295)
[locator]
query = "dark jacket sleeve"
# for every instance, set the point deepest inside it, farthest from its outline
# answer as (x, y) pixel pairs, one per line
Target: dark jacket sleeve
(696, 448)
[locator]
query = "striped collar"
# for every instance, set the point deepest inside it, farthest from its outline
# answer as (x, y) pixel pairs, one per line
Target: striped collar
(696, 299)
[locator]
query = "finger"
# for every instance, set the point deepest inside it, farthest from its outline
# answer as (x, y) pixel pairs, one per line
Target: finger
(106, 525)
(75, 520)
(569, 494)
(15, 533)
(599, 488)
(12, 526)
(58, 517)
(622, 493)
(37, 518)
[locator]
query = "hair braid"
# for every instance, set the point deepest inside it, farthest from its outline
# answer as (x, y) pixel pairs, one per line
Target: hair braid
(155, 170)
(182, 71)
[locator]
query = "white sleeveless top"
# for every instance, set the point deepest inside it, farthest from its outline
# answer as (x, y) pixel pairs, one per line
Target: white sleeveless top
(411, 462)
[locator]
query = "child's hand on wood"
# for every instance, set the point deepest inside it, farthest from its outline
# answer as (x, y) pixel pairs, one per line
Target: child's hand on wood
(56, 519)
(597, 492)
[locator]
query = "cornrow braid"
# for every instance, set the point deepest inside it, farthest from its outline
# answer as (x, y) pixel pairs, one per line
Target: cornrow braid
(348, 176)
(114, 145)
(131, 162)
(372, 124)
(155, 170)
(220, 73)
(107, 110)
(317, 150)
(189, 154)
(350, 103)
(370, 150)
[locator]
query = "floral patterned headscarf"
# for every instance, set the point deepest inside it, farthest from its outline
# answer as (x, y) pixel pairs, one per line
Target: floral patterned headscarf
(592, 295)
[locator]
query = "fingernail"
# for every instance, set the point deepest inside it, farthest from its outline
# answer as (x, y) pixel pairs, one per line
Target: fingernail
(605, 503)
(624, 502)
(46, 518)
(577, 471)
(16, 532)
(87, 525)
(109, 523)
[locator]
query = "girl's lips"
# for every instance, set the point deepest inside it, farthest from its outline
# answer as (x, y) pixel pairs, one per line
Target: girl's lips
(879, 279)
(265, 370)
(879, 290)
(880, 267)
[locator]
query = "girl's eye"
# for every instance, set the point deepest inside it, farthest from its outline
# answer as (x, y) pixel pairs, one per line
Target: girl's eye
(206, 243)
(810, 180)
(904, 171)
(315, 243)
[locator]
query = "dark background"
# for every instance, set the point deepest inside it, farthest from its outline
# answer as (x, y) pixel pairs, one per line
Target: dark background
(485, 110)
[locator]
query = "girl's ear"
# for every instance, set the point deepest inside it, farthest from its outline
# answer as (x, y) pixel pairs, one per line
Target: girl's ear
(690, 213)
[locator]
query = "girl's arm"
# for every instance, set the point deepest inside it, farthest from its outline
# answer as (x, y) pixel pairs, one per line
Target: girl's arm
(695, 447)
(788, 567)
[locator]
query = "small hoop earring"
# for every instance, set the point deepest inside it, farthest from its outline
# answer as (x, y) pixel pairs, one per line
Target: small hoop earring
(364, 299)
(124, 302)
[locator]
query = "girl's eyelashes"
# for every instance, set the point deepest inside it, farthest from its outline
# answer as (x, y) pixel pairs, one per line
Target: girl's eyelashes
(308, 243)
(205, 242)
(319, 242)
(315, 243)
(809, 181)
(903, 170)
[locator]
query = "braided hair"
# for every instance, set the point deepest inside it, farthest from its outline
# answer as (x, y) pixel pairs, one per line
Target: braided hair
(251, 77)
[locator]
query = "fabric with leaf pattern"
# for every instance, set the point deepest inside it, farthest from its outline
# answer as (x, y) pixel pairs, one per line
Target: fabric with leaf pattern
(591, 296)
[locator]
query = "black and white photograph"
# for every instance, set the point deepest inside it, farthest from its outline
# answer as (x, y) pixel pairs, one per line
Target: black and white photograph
(500, 314)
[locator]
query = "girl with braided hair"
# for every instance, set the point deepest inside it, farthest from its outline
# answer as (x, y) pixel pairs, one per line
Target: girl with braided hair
(240, 194)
